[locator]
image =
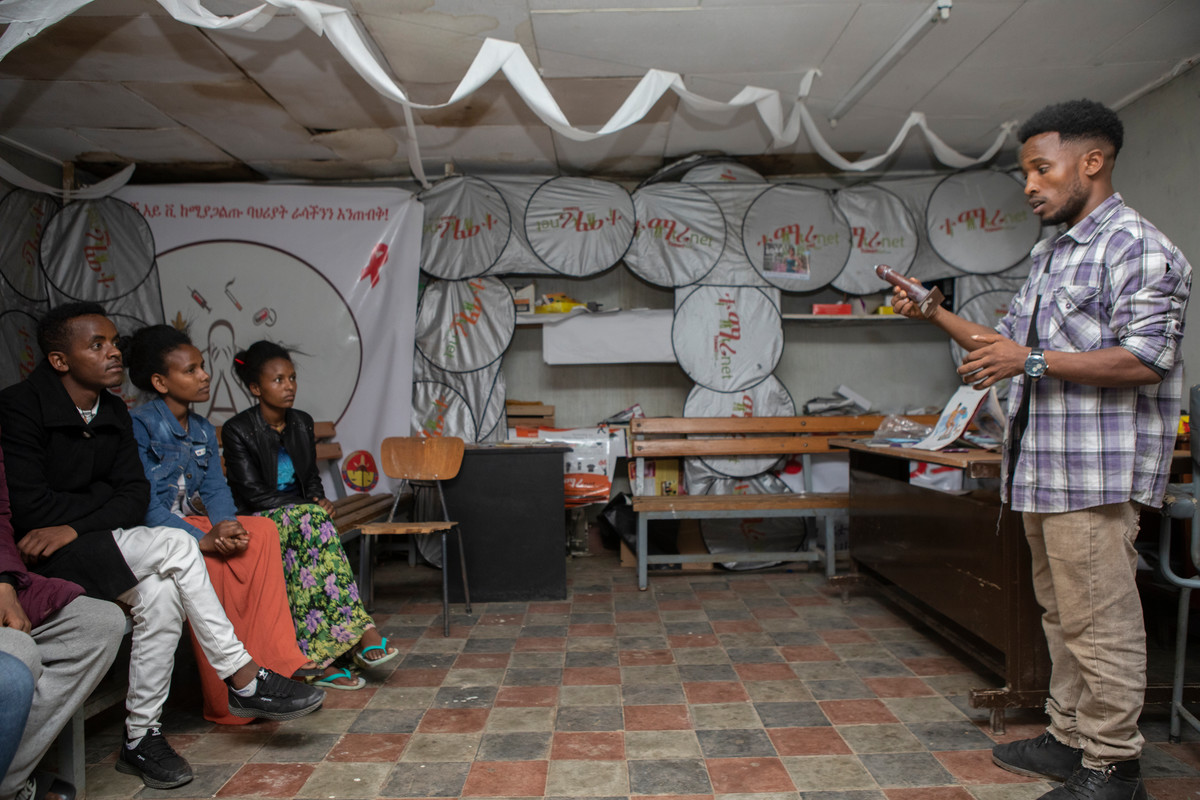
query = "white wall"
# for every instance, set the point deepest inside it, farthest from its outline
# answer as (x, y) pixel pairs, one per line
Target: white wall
(1158, 173)
(900, 365)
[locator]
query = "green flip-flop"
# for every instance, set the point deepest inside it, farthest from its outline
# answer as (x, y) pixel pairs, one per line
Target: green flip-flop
(327, 682)
(367, 663)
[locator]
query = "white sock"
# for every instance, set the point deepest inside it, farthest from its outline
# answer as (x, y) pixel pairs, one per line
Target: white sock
(248, 690)
(132, 744)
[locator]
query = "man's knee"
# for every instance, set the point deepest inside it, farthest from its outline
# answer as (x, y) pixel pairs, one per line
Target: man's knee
(22, 647)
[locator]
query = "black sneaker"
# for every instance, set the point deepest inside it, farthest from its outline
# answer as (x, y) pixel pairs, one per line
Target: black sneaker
(155, 761)
(1120, 781)
(276, 697)
(1040, 757)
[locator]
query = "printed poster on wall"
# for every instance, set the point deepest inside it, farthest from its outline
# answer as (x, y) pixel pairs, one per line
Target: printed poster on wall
(329, 273)
(23, 293)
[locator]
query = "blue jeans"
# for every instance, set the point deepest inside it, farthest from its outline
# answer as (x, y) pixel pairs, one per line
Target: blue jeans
(16, 696)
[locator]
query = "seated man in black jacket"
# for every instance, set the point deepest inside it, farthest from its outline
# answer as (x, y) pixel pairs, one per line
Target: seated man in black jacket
(78, 494)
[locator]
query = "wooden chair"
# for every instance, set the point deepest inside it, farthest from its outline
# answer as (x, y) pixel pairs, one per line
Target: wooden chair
(432, 460)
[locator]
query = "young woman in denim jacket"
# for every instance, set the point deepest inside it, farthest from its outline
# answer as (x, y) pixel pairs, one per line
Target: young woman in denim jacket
(179, 452)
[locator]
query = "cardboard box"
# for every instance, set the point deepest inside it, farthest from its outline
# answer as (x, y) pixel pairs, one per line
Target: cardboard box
(689, 541)
(523, 297)
(529, 414)
(832, 308)
(662, 476)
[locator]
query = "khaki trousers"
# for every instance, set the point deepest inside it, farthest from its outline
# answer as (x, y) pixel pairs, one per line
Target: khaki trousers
(1084, 570)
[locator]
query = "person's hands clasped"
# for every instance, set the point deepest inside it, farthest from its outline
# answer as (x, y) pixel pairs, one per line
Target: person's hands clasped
(999, 358)
(226, 538)
(42, 543)
(12, 615)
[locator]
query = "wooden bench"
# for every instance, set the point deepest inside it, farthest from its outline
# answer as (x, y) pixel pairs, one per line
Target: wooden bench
(714, 437)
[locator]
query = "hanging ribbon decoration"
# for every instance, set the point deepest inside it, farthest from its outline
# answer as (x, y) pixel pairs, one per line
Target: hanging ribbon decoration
(26, 18)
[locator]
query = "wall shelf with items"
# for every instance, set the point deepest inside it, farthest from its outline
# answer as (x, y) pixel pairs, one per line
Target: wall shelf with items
(846, 319)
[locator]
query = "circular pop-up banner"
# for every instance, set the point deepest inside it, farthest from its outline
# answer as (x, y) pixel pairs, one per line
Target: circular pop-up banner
(579, 226)
(19, 352)
(727, 338)
(23, 218)
(97, 250)
(882, 231)
(768, 399)
(463, 326)
(979, 222)
(679, 236)
(795, 238)
(439, 410)
(722, 171)
(467, 225)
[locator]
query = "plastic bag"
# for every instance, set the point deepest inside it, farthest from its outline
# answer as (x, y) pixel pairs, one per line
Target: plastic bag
(895, 427)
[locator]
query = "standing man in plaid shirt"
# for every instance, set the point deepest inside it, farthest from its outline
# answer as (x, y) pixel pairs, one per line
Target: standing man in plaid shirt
(1092, 342)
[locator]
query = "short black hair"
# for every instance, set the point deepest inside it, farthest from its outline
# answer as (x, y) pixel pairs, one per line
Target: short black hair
(1074, 120)
(54, 328)
(248, 363)
(146, 353)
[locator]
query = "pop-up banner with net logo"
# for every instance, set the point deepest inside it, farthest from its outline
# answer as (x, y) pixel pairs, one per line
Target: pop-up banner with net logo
(23, 294)
(467, 225)
(980, 222)
(680, 234)
(882, 231)
(768, 399)
(579, 226)
(330, 273)
(727, 338)
(795, 237)
(102, 251)
(463, 326)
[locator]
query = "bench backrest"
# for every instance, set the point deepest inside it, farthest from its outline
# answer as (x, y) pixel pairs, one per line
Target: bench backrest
(672, 437)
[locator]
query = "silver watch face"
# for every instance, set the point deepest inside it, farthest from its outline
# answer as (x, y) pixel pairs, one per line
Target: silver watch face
(1035, 364)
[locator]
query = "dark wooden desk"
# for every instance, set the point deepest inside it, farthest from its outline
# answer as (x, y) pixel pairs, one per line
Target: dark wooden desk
(508, 500)
(959, 563)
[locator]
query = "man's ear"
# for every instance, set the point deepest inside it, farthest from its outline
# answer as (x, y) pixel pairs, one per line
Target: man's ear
(1093, 162)
(58, 360)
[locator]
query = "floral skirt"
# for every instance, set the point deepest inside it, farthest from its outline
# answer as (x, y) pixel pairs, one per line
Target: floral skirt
(321, 590)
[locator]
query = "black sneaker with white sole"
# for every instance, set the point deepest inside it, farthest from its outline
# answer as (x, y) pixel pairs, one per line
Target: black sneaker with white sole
(155, 762)
(276, 697)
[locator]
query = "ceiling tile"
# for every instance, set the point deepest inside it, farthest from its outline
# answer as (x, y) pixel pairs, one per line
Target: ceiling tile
(722, 39)
(155, 145)
(119, 49)
(238, 117)
(57, 143)
(73, 104)
(510, 146)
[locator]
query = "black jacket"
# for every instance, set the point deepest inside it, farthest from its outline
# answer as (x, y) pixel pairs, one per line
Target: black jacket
(62, 471)
(251, 449)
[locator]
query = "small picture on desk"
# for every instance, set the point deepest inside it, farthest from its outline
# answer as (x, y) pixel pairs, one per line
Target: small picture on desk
(953, 421)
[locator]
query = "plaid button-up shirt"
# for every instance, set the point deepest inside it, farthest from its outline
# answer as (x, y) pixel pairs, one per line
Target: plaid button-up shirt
(1112, 280)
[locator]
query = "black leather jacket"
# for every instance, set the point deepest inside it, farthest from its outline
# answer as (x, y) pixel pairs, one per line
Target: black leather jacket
(251, 449)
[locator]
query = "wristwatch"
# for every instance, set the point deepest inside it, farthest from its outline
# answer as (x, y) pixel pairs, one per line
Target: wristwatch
(1035, 363)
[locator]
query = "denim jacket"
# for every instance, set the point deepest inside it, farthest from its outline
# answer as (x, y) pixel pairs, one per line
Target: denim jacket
(168, 451)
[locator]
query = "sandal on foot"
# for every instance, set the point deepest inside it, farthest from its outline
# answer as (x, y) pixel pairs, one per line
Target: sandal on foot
(303, 673)
(328, 681)
(369, 663)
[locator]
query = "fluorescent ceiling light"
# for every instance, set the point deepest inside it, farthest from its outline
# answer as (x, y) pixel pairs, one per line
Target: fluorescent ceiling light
(938, 11)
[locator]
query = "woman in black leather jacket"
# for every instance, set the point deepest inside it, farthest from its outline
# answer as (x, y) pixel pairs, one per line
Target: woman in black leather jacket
(270, 460)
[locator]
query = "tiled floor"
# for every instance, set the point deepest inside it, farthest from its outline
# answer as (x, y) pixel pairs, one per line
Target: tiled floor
(710, 684)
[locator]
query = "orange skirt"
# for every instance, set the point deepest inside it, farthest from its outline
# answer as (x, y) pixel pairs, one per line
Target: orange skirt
(250, 588)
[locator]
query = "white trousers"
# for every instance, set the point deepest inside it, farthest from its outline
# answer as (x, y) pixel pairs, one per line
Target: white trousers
(172, 586)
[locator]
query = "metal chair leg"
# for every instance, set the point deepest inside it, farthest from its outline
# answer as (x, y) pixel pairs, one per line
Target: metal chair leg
(1181, 634)
(462, 561)
(445, 591)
